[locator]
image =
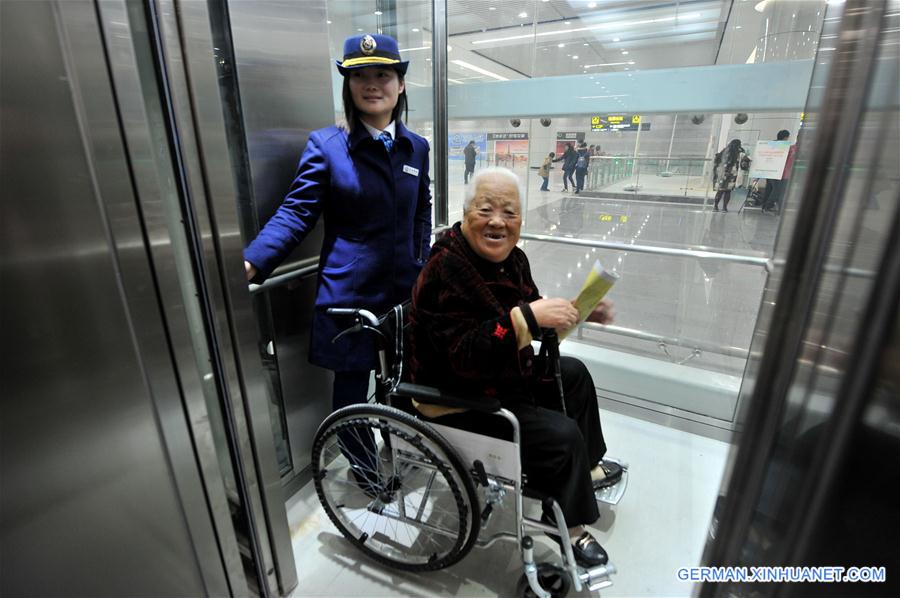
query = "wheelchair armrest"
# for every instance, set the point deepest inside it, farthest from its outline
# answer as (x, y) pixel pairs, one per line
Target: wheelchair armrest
(435, 396)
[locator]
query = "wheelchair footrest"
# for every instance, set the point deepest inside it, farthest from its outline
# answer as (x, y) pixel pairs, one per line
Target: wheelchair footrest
(597, 578)
(611, 495)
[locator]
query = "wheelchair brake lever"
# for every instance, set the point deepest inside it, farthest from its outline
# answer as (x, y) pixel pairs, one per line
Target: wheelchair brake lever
(486, 514)
(480, 473)
(355, 328)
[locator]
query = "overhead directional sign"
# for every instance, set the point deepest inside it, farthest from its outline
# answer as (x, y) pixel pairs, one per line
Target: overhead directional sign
(618, 122)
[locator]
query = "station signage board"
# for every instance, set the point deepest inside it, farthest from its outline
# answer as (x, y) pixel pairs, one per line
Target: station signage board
(618, 122)
(506, 136)
(570, 136)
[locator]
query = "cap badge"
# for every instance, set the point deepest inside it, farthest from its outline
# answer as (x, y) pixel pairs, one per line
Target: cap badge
(367, 45)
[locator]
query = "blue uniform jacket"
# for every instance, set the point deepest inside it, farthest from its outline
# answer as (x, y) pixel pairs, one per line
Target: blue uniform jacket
(377, 210)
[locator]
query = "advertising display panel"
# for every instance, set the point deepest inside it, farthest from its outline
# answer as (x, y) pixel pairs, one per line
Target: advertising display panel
(458, 141)
(769, 159)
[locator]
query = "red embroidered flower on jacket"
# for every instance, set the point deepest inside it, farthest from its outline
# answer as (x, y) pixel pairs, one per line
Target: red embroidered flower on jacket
(500, 331)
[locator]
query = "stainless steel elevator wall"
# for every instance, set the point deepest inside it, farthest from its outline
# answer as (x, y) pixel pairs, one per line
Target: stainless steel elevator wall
(99, 497)
(284, 67)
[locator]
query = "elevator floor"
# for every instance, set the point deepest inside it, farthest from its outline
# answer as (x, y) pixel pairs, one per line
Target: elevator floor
(660, 525)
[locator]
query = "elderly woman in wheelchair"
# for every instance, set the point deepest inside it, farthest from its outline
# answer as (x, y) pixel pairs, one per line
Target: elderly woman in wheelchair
(480, 408)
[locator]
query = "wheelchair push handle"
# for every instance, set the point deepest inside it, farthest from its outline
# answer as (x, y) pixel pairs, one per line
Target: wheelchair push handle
(365, 320)
(364, 316)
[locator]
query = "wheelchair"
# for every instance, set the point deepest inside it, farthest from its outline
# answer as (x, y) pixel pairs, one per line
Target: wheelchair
(404, 491)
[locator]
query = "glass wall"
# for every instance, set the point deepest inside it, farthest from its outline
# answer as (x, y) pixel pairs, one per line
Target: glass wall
(691, 273)
(817, 395)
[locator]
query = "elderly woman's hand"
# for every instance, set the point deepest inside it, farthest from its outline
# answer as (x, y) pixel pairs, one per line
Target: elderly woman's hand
(603, 313)
(554, 313)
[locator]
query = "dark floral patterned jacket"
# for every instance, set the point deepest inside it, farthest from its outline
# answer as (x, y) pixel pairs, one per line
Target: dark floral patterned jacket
(461, 332)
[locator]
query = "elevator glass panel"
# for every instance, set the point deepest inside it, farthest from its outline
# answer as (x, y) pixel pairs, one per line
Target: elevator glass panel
(691, 276)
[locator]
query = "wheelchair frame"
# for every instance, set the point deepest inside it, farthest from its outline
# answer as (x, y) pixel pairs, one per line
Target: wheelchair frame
(502, 474)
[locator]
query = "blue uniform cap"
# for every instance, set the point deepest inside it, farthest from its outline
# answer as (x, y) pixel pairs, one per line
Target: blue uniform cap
(371, 49)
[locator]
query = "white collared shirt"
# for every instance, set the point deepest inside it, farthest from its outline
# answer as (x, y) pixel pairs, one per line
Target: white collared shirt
(391, 129)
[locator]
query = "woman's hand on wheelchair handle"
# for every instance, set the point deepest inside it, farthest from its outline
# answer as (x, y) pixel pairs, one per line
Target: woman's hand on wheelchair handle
(554, 313)
(250, 269)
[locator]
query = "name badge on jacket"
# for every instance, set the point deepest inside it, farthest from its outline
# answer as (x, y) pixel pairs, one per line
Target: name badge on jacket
(410, 170)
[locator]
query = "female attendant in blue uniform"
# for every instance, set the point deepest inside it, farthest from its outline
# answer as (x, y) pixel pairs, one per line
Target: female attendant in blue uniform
(370, 181)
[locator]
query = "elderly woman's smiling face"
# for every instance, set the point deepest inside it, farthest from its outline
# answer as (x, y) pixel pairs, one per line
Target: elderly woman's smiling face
(493, 221)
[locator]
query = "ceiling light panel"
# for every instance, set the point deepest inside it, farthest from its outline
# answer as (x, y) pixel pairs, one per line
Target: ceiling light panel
(502, 43)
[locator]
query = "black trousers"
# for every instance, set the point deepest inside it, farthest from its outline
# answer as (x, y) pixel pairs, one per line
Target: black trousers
(774, 191)
(558, 451)
(469, 170)
(579, 179)
(351, 388)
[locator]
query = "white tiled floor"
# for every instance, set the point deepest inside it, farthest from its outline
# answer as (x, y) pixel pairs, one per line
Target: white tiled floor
(659, 526)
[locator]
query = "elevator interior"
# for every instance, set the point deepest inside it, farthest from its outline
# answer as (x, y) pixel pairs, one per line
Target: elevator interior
(157, 412)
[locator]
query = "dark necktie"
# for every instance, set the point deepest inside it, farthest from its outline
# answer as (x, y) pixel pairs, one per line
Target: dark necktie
(385, 138)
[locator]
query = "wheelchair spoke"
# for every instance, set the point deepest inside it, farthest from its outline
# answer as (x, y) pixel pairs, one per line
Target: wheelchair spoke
(390, 488)
(425, 496)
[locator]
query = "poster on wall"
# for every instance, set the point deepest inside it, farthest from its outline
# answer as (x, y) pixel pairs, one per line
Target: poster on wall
(510, 152)
(769, 158)
(458, 141)
(564, 138)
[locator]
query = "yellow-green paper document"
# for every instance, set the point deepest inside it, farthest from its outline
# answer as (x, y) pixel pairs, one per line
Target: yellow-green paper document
(597, 284)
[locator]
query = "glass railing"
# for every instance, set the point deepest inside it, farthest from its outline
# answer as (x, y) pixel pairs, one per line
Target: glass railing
(651, 177)
(693, 310)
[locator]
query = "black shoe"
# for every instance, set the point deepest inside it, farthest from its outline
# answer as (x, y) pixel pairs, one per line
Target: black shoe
(613, 473)
(586, 549)
(588, 552)
(715, 209)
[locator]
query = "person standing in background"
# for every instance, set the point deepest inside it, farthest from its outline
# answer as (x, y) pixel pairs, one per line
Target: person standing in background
(544, 172)
(775, 187)
(369, 180)
(582, 162)
(568, 167)
(725, 171)
(469, 152)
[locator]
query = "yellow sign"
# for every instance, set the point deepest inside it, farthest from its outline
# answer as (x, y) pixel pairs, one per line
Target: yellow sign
(618, 122)
(623, 219)
(605, 218)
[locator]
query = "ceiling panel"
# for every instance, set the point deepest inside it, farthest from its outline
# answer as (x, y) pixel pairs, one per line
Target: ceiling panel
(515, 39)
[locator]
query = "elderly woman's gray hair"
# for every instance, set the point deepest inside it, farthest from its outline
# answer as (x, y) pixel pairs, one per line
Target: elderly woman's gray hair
(494, 171)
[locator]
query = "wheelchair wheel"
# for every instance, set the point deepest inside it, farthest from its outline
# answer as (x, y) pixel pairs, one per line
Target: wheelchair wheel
(394, 487)
(552, 578)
